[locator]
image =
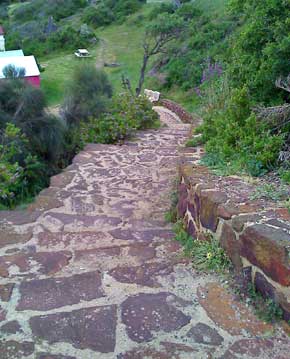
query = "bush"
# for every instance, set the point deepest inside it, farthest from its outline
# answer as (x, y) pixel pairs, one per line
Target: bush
(234, 137)
(97, 16)
(59, 9)
(21, 173)
(127, 114)
(88, 94)
(109, 128)
(68, 37)
(32, 143)
(203, 39)
(260, 50)
(138, 111)
(24, 105)
(108, 11)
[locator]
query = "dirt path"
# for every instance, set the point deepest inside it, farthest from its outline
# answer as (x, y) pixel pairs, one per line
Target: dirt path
(104, 54)
(91, 270)
(101, 54)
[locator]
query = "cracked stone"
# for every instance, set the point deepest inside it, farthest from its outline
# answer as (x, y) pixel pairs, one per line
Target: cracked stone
(12, 327)
(53, 293)
(147, 314)
(12, 349)
(54, 356)
(46, 263)
(89, 328)
(203, 334)
(146, 274)
(6, 291)
(258, 348)
(230, 314)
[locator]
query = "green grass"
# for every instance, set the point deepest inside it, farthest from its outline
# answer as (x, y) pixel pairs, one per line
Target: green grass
(118, 43)
(212, 6)
(58, 70)
(13, 7)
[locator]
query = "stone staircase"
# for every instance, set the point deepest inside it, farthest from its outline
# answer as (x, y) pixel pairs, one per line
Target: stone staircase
(91, 270)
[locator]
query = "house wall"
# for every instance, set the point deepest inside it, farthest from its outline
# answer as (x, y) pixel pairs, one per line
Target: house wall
(33, 80)
(2, 43)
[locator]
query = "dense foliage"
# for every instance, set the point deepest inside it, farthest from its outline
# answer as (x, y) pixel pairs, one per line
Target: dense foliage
(230, 64)
(40, 26)
(37, 26)
(88, 94)
(260, 49)
(108, 11)
(31, 142)
(126, 115)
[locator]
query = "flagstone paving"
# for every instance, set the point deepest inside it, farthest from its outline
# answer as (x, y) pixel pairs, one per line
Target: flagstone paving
(91, 270)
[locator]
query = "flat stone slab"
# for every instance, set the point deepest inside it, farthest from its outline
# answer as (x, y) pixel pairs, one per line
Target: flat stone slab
(224, 310)
(258, 348)
(90, 328)
(12, 327)
(147, 314)
(166, 350)
(47, 294)
(28, 265)
(12, 349)
(146, 274)
(204, 334)
(54, 356)
(6, 291)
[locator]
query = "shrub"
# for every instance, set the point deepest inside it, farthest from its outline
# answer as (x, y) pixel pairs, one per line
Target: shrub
(88, 94)
(234, 134)
(109, 128)
(59, 9)
(32, 142)
(207, 255)
(97, 16)
(127, 114)
(21, 173)
(260, 50)
(108, 11)
(68, 37)
(138, 111)
(24, 106)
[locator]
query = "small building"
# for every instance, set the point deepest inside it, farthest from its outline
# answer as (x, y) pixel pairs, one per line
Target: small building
(32, 74)
(2, 39)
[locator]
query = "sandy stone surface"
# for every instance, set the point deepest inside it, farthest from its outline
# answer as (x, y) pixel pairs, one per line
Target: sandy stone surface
(91, 269)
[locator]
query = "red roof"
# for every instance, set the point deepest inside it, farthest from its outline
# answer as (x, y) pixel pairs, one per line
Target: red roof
(2, 32)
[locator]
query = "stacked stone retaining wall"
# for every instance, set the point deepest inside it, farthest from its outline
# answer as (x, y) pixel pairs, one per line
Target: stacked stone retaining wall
(184, 115)
(254, 233)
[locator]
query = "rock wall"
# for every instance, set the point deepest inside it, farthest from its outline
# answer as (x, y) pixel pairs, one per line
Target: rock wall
(185, 116)
(254, 233)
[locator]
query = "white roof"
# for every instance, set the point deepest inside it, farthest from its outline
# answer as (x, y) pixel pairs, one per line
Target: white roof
(12, 53)
(83, 50)
(28, 62)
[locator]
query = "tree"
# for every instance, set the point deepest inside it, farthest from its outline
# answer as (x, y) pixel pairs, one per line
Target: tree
(24, 106)
(158, 35)
(260, 49)
(87, 94)
(12, 72)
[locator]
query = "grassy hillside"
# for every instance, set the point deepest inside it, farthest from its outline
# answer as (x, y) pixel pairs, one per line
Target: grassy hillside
(212, 6)
(121, 43)
(118, 43)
